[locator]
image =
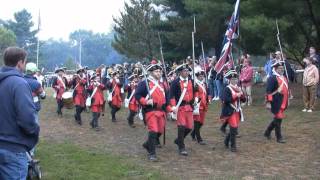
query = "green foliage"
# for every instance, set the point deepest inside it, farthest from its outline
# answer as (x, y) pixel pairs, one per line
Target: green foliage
(25, 36)
(135, 36)
(299, 24)
(67, 161)
(7, 38)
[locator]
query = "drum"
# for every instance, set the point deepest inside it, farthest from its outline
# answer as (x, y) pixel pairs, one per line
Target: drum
(67, 98)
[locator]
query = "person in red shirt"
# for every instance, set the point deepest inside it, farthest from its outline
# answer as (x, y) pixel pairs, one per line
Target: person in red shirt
(115, 86)
(131, 101)
(202, 100)
(79, 95)
(182, 100)
(97, 101)
(246, 76)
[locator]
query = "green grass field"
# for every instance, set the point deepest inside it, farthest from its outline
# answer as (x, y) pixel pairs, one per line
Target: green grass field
(68, 161)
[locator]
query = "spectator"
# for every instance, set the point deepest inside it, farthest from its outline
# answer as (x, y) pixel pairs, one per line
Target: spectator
(313, 54)
(18, 118)
(310, 81)
(246, 76)
(267, 66)
(212, 75)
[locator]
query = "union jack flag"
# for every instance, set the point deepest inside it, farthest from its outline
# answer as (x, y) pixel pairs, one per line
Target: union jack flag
(231, 34)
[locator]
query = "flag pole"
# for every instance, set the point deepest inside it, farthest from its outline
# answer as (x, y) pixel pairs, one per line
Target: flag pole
(204, 63)
(38, 41)
(80, 50)
(193, 53)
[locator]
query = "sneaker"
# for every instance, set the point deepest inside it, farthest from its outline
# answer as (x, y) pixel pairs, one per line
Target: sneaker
(233, 149)
(202, 143)
(310, 110)
(281, 141)
(183, 152)
(304, 110)
(152, 157)
(267, 136)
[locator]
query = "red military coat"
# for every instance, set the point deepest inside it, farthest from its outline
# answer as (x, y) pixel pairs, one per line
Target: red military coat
(133, 103)
(60, 87)
(202, 95)
(79, 98)
(98, 98)
(116, 94)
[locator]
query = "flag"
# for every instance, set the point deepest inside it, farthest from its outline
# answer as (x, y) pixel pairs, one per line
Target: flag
(231, 34)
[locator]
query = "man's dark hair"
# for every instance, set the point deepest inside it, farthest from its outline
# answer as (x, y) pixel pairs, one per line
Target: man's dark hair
(12, 55)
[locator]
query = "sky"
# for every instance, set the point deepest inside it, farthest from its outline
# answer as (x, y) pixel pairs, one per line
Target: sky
(61, 17)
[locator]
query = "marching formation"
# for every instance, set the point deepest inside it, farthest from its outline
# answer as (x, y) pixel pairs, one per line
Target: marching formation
(182, 95)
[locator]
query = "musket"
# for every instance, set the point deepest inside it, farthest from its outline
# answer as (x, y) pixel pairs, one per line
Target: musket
(166, 79)
(285, 68)
(193, 54)
(279, 42)
(146, 80)
(162, 58)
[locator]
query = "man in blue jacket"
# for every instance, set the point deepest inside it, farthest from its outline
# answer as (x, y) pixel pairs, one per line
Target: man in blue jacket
(19, 129)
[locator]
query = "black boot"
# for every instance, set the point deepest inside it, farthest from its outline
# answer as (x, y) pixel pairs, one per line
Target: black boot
(193, 134)
(75, 117)
(94, 122)
(158, 145)
(224, 127)
(79, 120)
(130, 119)
(180, 141)
(278, 131)
(198, 135)
(152, 146)
(226, 140)
(233, 132)
(114, 110)
(78, 115)
(269, 129)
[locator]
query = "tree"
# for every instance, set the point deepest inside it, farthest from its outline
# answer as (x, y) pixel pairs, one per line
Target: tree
(135, 36)
(211, 22)
(7, 38)
(298, 22)
(25, 36)
(96, 48)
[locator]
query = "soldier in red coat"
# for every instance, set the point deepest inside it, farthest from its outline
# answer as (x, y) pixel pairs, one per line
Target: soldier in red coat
(60, 85)
(131, 101)
(79, 95)
(231, 108)
(115, 86)
(277, 99)
(201, 107)
(97, 101)
(154, 107)
(182, 100)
